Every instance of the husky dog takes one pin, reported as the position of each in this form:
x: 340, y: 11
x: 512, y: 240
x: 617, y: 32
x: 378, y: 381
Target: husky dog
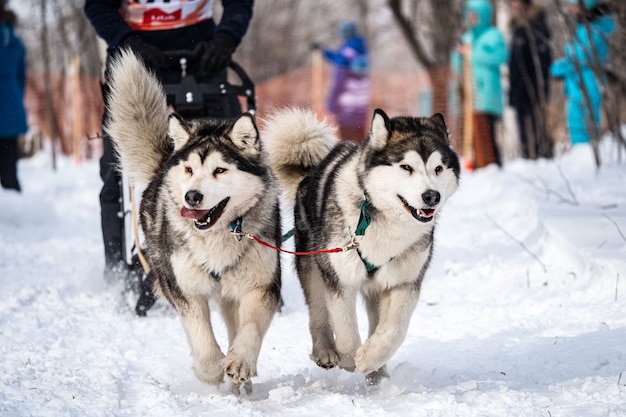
x: 383, y: 197
x: 206, y: 178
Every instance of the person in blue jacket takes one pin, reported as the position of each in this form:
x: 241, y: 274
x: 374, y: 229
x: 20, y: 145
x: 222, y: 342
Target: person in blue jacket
x: 150, y: 29
x: 12, y: 111
x: 486, y: 49
x: 348, y: 98
x: 581, y: 68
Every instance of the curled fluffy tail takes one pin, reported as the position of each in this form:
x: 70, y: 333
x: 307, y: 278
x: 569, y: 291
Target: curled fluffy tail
x: 296, y: 142
x: 138, y: 118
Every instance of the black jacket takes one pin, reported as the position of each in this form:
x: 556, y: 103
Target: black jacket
x: 109, y: 25
x: 524, y: 79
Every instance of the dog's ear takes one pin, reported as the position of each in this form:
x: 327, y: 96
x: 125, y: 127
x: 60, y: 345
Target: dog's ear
x: 245, y: 134
x: 381, y: 130
x: 178, y: 130
x: 440, y: 122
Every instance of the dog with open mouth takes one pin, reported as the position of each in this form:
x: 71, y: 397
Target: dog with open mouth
x: 204, y: 179
x: 382, y: 198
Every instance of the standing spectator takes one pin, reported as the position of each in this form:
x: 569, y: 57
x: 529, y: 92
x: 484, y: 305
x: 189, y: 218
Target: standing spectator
x: 12, y: 84
x: 349, y: 98
x: 529, y: 69
x: 483, y: 44
x: 149, y: 29
x: 582, y: 67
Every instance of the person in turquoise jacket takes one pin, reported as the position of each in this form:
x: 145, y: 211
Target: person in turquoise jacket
x: 581, y: 68
x: 13, y: 122
x: 486, y: 48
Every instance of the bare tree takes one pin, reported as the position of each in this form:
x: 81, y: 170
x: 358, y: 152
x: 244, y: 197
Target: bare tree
x: 612, y: 97
x: 45, y: 47
x: 59, y: 34
x: 431, y: 28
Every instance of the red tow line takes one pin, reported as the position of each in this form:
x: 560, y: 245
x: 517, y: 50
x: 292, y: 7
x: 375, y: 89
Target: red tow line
x: 352, y: 245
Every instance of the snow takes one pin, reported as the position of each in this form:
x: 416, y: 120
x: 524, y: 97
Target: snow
x: 522, y: 313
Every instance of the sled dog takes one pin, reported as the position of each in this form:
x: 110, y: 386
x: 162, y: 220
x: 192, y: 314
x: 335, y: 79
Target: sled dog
x: 384, y: 197
x: 205, y: 178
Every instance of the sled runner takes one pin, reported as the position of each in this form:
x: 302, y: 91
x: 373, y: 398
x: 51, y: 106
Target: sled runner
x: 192, y: 99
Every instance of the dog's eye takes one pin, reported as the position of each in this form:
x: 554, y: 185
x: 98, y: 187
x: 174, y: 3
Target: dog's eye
x: 438, y: 169
x: 219, y: 171
x: 188, y: 171
x: 407, y: 168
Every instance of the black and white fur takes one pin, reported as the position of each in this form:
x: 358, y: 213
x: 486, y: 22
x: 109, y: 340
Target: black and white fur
x: 201, y: 175
x: 406, y: 170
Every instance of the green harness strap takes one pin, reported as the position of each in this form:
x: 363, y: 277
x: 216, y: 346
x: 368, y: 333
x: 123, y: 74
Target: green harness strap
x: 364, y: 221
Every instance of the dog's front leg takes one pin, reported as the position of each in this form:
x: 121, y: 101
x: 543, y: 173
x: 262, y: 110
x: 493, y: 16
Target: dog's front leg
x: 207, y: 355
x: 256, y: 309
x: 396, y: 308
x: 342, y: 311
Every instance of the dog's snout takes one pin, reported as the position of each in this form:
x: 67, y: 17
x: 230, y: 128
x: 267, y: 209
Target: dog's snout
x: 193, y: 198
x: 431, y: 197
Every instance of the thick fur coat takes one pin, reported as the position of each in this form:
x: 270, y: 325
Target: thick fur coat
x: 204, y: 177
x: 385, y: 196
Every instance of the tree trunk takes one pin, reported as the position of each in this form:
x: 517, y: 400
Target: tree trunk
x: 439, y: 81
x: 48, y: 82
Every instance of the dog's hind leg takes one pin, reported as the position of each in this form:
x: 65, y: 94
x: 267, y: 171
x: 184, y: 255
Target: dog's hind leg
x: 396, y: 308
x: 323, y: 353
x: 207, y: 355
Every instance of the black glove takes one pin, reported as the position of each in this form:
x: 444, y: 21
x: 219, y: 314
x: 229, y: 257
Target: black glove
x: 216, y: 53
x: 152, y: 56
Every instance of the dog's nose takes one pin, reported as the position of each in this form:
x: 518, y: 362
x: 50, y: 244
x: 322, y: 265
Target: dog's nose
x: 431, y: 197
x: 193, y: 198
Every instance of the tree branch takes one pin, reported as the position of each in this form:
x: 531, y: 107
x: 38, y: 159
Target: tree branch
x: 406, y: 27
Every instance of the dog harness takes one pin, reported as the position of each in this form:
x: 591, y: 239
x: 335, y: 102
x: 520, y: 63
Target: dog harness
x: 364, y: 221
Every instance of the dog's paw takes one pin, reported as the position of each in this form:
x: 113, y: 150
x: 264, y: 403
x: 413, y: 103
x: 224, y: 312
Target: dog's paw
x: 374, y: 378
x: 236, y: 388
x: 238, y: 369
x: 369, y: 359
x: 211, y: 373
x: 325, y: 358
x: 346, y: 362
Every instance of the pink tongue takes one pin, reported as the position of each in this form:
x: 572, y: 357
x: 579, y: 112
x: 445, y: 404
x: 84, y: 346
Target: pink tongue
x: 188, y: 213
x: 427, y: 212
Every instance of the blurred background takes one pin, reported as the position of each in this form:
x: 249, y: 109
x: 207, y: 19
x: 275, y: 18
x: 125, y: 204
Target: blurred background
x: 410, y: 43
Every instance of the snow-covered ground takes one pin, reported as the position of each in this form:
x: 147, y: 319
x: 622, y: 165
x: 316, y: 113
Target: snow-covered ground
x: 522, y: 313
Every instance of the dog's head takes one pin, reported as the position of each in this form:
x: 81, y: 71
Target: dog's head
x: 409, y: 168
x: 216, y: 168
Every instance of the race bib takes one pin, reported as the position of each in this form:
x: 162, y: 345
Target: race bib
x: 145, y: 15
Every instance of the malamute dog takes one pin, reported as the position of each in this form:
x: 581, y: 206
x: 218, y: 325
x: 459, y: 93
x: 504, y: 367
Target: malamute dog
x: 385, y: 196
x: 206, y: 177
